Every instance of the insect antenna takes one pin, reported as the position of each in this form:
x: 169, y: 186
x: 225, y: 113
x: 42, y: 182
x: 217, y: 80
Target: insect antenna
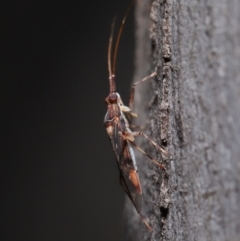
x: 112, y: 64
x: 118, y: 38
x: 111, y: 75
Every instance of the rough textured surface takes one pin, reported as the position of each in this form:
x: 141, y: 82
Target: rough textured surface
x: 194, y: 111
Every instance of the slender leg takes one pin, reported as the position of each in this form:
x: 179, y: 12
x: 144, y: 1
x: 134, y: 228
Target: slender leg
x: 152, y: 159
x: 135, y: 84
x: 138, y: 127
x: 145, y: 221
x: 140, y: 133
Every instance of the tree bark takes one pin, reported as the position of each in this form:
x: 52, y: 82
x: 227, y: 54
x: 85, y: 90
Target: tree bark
x: 192, y: 108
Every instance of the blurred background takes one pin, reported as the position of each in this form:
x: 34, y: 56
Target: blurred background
x: 59, y: 176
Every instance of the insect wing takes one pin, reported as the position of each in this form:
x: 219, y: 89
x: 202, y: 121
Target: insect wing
x: 129, y: 178
x: 117, y: 140
x: 133, y: 192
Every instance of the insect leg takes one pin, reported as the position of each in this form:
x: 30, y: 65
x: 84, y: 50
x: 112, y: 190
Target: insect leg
x: 140, y: 133
x: 131, y: 98
x: 145, y: 221
x: 138, y: 127
x: 146, y: 154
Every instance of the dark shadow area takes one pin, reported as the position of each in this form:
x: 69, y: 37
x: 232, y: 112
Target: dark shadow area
x: 59, y: 176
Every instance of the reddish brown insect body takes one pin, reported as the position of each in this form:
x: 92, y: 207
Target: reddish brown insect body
x: 121, y: 136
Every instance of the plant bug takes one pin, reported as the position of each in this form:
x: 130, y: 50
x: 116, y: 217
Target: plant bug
x: 121, y: 136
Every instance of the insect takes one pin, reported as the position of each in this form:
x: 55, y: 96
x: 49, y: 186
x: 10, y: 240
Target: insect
x: 122, y: 138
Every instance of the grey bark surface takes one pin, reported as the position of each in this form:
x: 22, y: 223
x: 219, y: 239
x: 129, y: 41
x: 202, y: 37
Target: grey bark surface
x: 192, y: 108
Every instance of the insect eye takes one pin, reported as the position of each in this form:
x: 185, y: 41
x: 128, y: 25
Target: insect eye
x: 113, y: 97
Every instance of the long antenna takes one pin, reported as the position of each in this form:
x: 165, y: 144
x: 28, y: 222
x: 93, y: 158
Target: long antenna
x: 110, y: 49
x: 111, y: 75
x: 118, y: 38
